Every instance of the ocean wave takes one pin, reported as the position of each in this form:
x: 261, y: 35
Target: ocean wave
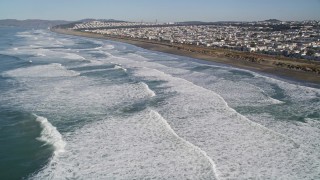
x: 97, y: 48
x: 73, y: 56
x: 50, y: 135
x: 231, y: 83
x: 10, y: 56
x: 137, y: 57
x: 242, y: 93
x: 107, y: 47
x: 205, y: 119
x: 139, y: 146
x: 149, y: 91
x: 194, y: 131
x: 41, y: 55
x: 120, y: 67
x: 166, y: 124
x: 51, y: 70
x: 183, y: 86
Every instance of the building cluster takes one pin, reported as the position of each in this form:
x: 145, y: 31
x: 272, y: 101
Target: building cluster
x: 102, y: 24
x: 292, y: 39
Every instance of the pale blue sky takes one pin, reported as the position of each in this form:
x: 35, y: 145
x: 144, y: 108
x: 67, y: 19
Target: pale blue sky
x: 162, y: 10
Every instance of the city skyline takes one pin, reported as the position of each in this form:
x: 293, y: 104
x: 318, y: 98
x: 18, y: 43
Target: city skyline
x: 164, y: 11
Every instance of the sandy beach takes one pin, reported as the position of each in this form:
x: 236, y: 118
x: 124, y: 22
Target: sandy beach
x: 293, y: 69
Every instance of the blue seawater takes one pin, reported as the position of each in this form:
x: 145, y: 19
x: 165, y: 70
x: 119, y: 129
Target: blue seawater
x: 80, y: 108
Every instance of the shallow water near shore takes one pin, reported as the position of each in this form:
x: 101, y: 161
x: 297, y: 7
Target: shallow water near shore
x: 74, y: 107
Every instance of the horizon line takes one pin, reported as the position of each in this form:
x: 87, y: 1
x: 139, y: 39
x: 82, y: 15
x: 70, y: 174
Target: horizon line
x: 160, y: 21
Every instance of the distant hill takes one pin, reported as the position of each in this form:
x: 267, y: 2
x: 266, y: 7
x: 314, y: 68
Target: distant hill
x: 31, y: 23
x: 72, y: 24
x: 207, y: 23
x: 192, y: 22
x: 272, y: 20
x: 104, y: 20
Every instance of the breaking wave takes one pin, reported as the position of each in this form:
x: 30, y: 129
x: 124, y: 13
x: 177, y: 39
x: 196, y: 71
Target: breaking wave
x: 50, y: 135
x: 51, y: 70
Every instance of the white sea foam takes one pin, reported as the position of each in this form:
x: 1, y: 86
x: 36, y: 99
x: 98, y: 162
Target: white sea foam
x: 120, y: 67
x: 40, y: 54
x: 51, y: 70
x: 76, y: 95
x: 237, y: 93
x: 134, y: 147
x: 136, y: 57
x: 108, y: 47
x: 96, y: 62
x: 234, y: 135
x: 294, y: 91
x: 188, y: 143
x: 149, y: 91
x: 24, y: 35
x: 73, y: 56
x: 236, y: 144
x: 242, y: 93
x: 50, y: 135
x: 200, y: 135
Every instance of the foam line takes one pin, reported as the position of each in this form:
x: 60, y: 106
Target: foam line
x: 255, y: 124
x: 296, y: 145
x: 118, y: 147
x: 252, y: 123
x: 275, y: 101
x: 186, y: 142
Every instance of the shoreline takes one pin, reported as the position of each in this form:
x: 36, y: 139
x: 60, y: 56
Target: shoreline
x: 266, y: 65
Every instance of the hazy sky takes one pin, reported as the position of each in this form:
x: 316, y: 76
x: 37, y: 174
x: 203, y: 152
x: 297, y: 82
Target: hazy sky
x: 162, y: 10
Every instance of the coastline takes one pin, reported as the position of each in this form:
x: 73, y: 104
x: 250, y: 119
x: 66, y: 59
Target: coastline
x: 267, y: 65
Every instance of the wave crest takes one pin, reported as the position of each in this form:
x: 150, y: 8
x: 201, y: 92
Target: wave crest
x: 50, y: 135
x: 51, y: 70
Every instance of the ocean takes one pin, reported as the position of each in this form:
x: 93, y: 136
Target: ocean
x: 79, y: 108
